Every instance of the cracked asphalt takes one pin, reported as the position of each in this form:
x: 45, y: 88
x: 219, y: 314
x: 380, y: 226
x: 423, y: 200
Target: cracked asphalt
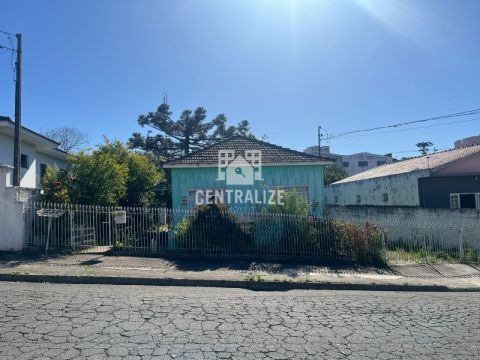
x: 107, y: 321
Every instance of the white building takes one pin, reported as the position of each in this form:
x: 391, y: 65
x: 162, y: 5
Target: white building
x: 355, y: 163
x: 37, y: 152
x: 447, y: 179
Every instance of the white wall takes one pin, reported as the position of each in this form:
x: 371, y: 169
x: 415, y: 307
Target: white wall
x: 12, y: 200
x: 402, y: 190
x: 30, y: 178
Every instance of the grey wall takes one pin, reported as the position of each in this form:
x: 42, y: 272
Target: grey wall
x: 401, y: 190
x: 447, y: 227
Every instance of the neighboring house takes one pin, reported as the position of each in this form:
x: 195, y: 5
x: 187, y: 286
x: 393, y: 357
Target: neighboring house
x: 241, y: 164
x: 468, y: 141
x: 355, y: 163
x: 37, y: 152
x: 447, y: 179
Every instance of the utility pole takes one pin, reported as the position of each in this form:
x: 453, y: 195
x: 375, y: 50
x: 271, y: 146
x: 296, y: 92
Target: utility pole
x: 319, y: 140
x: 18, y: 114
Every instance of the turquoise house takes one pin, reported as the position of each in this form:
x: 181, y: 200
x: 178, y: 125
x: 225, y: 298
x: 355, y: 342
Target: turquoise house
x: 245, y: 173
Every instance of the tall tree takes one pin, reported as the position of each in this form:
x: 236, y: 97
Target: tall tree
x: 192, y: 131
x: 70, y: 139
x: 424, y: 147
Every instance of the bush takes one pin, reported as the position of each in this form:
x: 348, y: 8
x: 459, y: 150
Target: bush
x: 213, y: 229
x: 361, y: 243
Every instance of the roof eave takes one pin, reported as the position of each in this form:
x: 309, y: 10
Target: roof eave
x: 179, y: 166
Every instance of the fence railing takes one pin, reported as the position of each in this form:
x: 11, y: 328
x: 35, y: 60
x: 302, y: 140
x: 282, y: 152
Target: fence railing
x: 215, y: 231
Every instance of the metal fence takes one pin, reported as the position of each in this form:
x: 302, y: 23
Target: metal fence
x: 216, y: 231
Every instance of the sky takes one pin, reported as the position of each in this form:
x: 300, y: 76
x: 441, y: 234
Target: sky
x: 287, y: 66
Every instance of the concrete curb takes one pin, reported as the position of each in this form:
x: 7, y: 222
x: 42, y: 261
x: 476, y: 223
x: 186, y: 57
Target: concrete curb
x: 250, y: 285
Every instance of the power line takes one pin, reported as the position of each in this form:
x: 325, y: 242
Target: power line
x: 414, y: 128
x: 463, y: 113
x: 417, y: 150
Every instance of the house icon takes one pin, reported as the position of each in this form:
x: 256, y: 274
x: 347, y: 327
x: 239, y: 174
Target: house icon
x: 239, y: 170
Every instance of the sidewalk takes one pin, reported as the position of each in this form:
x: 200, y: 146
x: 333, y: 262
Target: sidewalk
x: 260, y: 275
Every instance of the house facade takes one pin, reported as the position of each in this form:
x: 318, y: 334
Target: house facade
x: 447, y: 179
x: 37, y: 152
x: 246, y: 173
x: 354, y: 163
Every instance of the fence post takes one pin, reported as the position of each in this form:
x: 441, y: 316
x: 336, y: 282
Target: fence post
x: 460, y: 243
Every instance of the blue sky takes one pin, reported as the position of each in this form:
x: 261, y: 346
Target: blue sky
x: 286, y: 66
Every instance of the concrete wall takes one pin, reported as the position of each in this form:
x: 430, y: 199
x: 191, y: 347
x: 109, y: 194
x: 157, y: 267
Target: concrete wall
x: 444, y: 227
x: 12, y: 201
x: 30, y: 178
x: 401, y: 190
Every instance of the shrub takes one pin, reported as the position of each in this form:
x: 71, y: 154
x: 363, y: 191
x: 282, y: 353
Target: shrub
x: 213, y: 229
x: 362, y: 243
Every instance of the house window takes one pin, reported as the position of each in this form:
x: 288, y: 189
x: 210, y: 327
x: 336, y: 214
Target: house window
x: 215, y: 196
x: 465, y: 201
x: 454, y: 201
x: 24, y: 161
x: 363, y: 163
x: 381, y: 162
x: 385, y: 197
x: 302, y: 191
x: 43, y: 170
x: 345, y: 164
x: 359, y: 199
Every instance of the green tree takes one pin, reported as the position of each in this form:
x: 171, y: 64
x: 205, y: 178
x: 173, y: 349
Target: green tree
x: 424, y: 147
x: 333, y: 173
x: 143, y: 173
x: 97, y: 179
x: 111, y: 175
x: 190, y: 132
x: 142, y: 177
x: 55, y: 186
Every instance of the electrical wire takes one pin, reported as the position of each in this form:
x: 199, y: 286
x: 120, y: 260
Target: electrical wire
x: 463, y: 113
x: 413, y: 128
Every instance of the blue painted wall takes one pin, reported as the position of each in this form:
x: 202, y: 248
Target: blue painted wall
x: 185, y: 179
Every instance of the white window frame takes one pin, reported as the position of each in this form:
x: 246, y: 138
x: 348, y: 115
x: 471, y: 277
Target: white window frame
x: 455, y: 202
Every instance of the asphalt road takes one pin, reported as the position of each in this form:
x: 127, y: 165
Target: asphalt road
x: 99, y: 321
